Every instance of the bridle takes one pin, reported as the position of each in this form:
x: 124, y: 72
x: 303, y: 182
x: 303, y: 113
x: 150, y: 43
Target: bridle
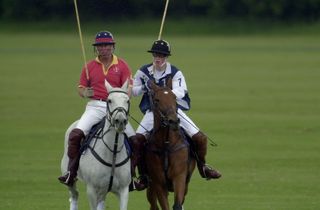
x: 117, y: 110
x: 165, y: 121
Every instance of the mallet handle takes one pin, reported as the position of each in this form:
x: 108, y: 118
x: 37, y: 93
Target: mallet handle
x: 163, y: 18
x: 81, y: 40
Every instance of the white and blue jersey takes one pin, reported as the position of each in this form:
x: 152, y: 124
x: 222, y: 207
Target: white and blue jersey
x: 179, y: 88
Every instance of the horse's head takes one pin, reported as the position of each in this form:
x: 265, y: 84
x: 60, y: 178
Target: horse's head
x: 165, y: 106
x: 118, y: 106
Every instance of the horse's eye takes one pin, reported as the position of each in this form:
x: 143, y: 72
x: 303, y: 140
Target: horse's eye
x: 109, y: 101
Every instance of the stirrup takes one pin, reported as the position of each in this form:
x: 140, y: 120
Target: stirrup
x: 140, y: 183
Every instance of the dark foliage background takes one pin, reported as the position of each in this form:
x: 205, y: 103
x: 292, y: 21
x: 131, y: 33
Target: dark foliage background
x: 283, y: 10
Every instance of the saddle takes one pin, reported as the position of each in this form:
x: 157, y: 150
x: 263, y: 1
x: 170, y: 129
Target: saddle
x: 192, y: 154
x: 190, y: 142
x: 187, y: 140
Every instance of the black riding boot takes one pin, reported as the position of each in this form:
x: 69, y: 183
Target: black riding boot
x: 137, y: 144
x: 200, y: 143
x: 74, y: 156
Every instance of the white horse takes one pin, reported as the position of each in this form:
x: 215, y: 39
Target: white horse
x: 105, y: 166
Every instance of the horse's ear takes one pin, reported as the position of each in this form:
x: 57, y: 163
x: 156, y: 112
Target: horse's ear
x: 169, y: 82
x: 125, y: 86
x: 108, y: 86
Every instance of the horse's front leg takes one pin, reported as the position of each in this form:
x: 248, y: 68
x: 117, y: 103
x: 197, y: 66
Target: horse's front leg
x: 74, y: 194
x: 92, y: 196
x: 179, y: 186
x: 162, y: 194
x: 152, y: 198
x: 101, y: 205
x: 123, y: 196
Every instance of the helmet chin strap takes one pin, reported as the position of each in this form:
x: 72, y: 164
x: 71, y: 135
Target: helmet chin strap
x: 162, y: 65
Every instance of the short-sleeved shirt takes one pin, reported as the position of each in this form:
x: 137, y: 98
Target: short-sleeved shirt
x: 117, y: 74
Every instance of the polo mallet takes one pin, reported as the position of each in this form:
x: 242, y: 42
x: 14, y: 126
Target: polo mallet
x: 163, y: 18
x: 81, y: 41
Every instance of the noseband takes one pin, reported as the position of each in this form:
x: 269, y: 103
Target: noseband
x: 165, y: 122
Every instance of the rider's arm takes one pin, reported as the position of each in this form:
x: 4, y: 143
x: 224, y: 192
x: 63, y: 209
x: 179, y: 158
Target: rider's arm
x: 84, y: 85
x: 81, y: 90
x: 126, y: 75
x: 179, y: 86
x: 138, y: 86
x: 85, y: 92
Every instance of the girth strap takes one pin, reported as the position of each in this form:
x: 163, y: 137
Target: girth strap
x: 104, y: 162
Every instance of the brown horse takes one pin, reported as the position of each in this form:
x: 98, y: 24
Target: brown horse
x: 168, y: 158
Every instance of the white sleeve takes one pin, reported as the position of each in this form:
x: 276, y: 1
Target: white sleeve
x: 137, y: 88
x: 179, y: 86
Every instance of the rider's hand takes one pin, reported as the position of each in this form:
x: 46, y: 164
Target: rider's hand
x: 147, y: 85
x: 88, y: 92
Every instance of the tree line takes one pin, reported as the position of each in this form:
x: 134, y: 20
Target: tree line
x: 284, y: 10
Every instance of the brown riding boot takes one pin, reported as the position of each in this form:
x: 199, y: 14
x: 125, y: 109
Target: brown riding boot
x: 200, y: 143
x: 137, y: 142
x: 74, y: 156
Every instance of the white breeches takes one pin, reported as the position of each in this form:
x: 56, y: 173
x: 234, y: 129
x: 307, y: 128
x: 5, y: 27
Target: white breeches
x: 95, y: 111
x: 186, y: 123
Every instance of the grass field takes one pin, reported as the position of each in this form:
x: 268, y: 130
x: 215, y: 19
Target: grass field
x: 257, y: 97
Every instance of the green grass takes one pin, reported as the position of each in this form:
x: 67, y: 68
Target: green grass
x: 173, y: 26
x: 257, y: 97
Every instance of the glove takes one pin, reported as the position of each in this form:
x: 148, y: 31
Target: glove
x: 88, y: 92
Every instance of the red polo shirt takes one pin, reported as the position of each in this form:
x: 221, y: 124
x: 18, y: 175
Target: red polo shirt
x: 117, y: 74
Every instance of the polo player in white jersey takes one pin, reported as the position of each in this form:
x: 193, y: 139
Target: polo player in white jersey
x: 159, y: 71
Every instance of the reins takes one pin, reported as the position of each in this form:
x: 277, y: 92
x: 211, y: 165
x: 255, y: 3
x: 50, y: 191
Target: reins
x: 114, y: 151
x: 212, y: 143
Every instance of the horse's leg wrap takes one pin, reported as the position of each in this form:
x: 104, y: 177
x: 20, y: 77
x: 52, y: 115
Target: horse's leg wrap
x: 137, y: 144
x: 200, y: 144
x: 74, y: 141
